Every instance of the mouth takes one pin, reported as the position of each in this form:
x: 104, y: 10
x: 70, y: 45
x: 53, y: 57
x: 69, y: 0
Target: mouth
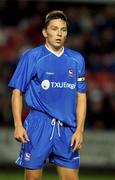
x: 58, y: 40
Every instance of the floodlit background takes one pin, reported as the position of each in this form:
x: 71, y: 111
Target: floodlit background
x: 92, y: 32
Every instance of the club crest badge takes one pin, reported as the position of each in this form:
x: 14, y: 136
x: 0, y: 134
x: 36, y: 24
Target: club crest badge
x: 71, y: 72
x: 27, y: 156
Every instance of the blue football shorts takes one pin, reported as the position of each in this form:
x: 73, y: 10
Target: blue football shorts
x: 50, y: 141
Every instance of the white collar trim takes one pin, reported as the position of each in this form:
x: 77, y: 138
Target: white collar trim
x: 58, y: 55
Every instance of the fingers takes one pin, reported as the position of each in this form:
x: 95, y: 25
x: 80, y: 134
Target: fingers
x: 26, y: 138
x: 76, y: 143
x: 77, y: 146
x: 21, y: 137
x: 72, y: 141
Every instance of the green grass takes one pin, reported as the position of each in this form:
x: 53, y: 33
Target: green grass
x: 53, y: 176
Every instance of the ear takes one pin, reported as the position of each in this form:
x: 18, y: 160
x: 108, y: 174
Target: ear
x: 44, y: 33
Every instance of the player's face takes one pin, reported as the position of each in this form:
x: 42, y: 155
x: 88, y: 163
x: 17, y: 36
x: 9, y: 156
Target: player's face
x: 55, y: 33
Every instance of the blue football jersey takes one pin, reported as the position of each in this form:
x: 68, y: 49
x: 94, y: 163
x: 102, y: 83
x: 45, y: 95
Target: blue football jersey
x: 50, y: 82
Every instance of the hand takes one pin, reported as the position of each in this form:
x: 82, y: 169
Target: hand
x: 20, y: 134
x: 77, y: 140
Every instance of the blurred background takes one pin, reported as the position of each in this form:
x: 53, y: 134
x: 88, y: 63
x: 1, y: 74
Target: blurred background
x: 92, y: 32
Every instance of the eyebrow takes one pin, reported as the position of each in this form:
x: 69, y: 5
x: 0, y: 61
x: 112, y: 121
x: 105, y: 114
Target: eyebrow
x: 64, y: 27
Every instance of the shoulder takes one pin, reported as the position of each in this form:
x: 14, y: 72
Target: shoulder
x: 75, y: 55
x: 33, y: 52
x: 31, y: 56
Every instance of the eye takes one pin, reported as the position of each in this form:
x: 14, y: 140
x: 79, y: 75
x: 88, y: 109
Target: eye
x: 54, y: 28
x: 64, y: 29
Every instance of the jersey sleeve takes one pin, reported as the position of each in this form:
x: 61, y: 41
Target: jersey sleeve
x: 81, y: 83
x: 24, y: 72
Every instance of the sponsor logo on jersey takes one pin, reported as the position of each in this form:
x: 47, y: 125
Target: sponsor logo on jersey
x: 71, y: 72
x: 46, y: 84
x: 27, y: 156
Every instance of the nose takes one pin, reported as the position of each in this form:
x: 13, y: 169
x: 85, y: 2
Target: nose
x: 59, y: 33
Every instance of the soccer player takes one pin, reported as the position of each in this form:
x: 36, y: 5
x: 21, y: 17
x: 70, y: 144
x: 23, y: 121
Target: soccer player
x: 51, y: 78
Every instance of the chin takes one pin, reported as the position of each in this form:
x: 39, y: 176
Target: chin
x: 58, y: 45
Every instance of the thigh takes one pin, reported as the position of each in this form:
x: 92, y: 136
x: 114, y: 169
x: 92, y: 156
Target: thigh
x: 67, y: 173
x: 34, y: 153
x: 33, y: 174
x: 63, y: 154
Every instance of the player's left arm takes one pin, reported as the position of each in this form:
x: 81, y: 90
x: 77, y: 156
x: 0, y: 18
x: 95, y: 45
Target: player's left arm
x: 77, y: 138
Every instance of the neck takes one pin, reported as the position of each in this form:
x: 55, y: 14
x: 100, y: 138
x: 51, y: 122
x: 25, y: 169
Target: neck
x: 57, y: 50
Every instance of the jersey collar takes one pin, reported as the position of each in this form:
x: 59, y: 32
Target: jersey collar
x: 58, y: 55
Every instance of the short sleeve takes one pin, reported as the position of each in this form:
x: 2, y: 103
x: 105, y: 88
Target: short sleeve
x: 24, y: 72
x: 81, y: 83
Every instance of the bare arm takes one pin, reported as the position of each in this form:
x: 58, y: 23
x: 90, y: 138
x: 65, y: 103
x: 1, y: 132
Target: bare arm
x: 77, y: 137
x: 17, y: 102
x: 81, y: 111
x: 17, y: 99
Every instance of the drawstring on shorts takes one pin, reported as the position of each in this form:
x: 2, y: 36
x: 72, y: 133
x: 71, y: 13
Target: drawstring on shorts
x: 53, y: 123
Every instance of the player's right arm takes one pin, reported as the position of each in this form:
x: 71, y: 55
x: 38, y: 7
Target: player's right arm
x: 20, y: 133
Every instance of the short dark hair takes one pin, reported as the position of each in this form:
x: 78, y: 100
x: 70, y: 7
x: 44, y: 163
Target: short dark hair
x: 55, y: 14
